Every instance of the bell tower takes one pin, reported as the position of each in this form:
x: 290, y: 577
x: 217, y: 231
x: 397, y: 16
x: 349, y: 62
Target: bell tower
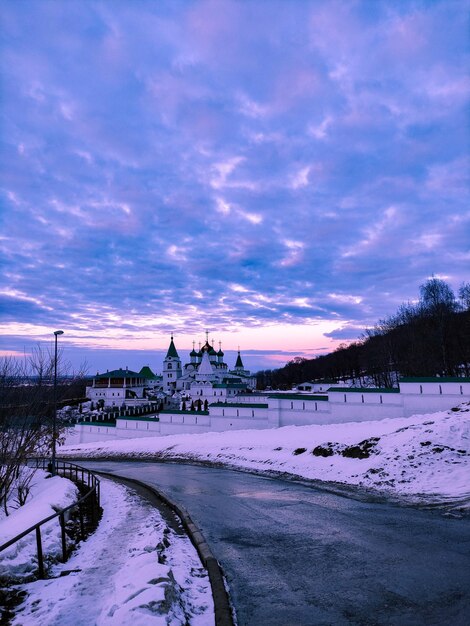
x: 171, y: 367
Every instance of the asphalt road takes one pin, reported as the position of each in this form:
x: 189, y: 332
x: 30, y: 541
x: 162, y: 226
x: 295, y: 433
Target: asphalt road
x: 294, y: 554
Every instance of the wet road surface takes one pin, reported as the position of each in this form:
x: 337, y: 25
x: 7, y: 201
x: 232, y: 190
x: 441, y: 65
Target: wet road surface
x: 294, y: 554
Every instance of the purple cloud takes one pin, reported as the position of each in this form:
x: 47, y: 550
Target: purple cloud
x: 313, y: 153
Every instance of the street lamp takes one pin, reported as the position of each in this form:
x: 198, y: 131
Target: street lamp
x: 54, y: 417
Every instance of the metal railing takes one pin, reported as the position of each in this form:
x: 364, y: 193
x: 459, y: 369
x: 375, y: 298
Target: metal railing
x: 88, y: 506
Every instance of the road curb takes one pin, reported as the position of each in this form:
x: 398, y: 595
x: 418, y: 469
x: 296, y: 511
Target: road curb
x: 222, y: 607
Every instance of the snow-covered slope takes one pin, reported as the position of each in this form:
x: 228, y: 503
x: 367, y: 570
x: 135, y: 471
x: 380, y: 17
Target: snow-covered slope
x: 426, y: 456
x: 132, y: 571
x: 48, y: 495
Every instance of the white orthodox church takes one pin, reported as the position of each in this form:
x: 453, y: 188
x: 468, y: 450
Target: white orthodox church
x: 203, y: 380
x: 206, y: 376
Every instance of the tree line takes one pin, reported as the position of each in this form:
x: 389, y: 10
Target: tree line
x: 430, y: 337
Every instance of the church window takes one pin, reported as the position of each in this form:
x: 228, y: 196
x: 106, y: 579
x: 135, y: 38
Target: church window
x: 421, y: 389
x: 169, y: 366
x: 345, y: 397
x: 303, y: 406
x: 440, y: 389
x: 223, y: 412
x: 238, y: 413
x: 461, y: 390
x: 315, y: 406
x: 362, y: 398
x: 381, y: 401
x: 291, y: 405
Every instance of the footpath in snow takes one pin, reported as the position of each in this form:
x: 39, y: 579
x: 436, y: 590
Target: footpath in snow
x: 425, y: 457
x: 133, y: 571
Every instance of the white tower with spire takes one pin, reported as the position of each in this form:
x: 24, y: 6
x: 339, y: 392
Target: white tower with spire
x: 171, y: 367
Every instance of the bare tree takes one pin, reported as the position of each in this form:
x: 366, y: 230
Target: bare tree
x: 437, y: 295
x: 26, y: 414
x: 464, y: 295
x: 20, y: 429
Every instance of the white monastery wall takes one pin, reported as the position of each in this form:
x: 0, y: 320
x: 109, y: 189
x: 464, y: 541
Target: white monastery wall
x: 191, y: 419
x: 298, y: 410
x: 229, y: 411
x: 238, y: 417
x: 85, y: 433
x: 429, y: 396
x: 173, y: 428
x: 360, y: 406
x: 139, y: 427
x: 284, y: 409
x: 220, y: 424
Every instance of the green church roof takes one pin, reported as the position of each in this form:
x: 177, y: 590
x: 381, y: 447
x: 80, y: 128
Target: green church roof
x: 240, y: 405
x: 239, y: 362
x: 172, y: 350
x: 119, y: 374
x: 363, y: 390
x: 298, y: 396
x: 147, y: 372
x: 434, y: 379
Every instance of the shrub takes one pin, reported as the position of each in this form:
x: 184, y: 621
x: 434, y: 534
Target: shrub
x: 362, y: 450
x: 322, y: 451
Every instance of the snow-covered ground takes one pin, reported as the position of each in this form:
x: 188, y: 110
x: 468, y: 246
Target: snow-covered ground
x: 48, y: 494
x: 423, y: 456
x: 133, y: 571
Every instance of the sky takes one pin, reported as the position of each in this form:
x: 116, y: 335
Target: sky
x: 283, y: 174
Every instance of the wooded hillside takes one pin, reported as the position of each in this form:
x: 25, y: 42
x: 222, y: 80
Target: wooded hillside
x: 429, y: 338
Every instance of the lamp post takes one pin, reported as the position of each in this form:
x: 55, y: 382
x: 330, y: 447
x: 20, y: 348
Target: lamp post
x: 54, y: 417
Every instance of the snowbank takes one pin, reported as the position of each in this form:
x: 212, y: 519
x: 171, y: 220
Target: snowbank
x: 48, y: 495
x: 425, y: 456
x: 133, y: 571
